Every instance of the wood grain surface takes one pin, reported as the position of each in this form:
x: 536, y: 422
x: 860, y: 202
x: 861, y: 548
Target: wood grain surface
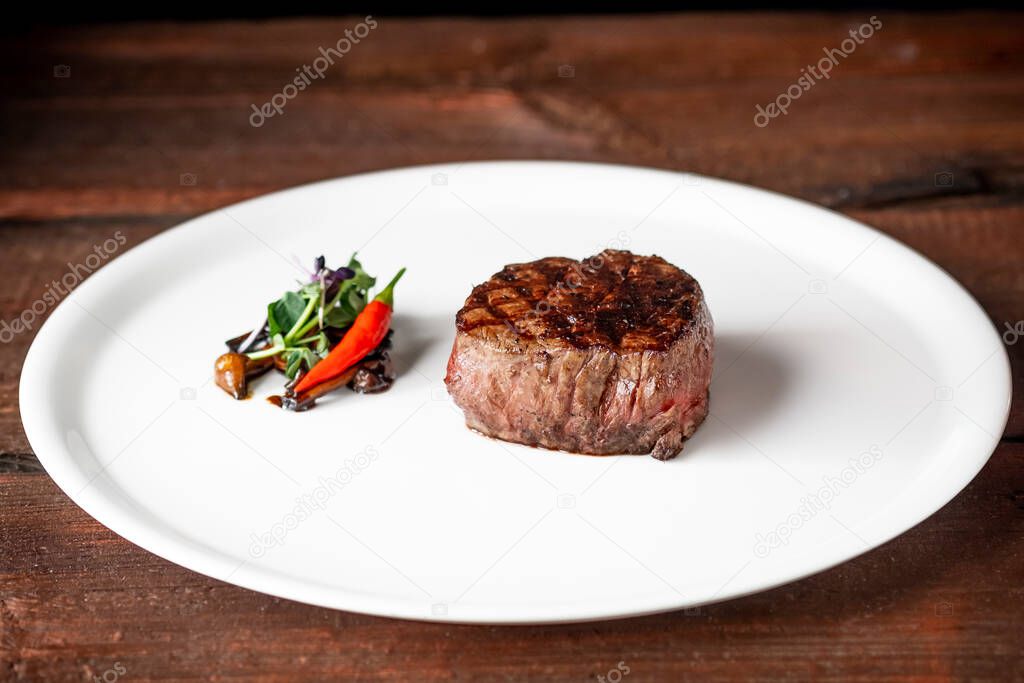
x: 137, y: 127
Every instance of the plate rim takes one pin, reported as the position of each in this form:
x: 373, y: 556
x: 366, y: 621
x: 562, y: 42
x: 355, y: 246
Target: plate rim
x: 55, y: 457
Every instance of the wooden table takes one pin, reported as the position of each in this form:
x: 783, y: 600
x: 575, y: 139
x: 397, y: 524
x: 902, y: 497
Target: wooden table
x: 919, y: 132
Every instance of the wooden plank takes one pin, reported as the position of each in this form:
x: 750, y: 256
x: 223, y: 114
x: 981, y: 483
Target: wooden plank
x: 672, y: 48
x: 143, y: 107
x: 844, y: 145
x: 944, y: 601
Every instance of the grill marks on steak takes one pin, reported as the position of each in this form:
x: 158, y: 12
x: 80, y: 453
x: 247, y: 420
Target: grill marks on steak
x: 609, y: 355
x: 615, y: 300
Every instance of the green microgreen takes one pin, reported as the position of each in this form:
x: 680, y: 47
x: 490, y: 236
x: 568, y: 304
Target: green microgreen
x: 299, y: 323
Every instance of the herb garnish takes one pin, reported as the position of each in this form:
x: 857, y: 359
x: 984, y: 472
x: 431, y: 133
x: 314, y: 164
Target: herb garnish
x: 302, y: 324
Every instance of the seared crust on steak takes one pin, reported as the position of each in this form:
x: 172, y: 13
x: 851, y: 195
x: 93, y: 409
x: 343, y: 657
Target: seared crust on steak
x: 615, y: 299
x: 608, y: 355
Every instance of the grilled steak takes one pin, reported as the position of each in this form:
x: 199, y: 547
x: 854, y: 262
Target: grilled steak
x: 607, y: 355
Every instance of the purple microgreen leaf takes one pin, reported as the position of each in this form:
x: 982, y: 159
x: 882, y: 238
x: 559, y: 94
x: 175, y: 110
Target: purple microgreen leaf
x: 344, y: 273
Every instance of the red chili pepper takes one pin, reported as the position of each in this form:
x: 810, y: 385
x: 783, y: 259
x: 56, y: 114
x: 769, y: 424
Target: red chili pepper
x: 366, y: 334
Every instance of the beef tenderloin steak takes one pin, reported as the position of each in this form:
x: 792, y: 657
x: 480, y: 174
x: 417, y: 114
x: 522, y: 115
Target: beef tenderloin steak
x: 607, y: 355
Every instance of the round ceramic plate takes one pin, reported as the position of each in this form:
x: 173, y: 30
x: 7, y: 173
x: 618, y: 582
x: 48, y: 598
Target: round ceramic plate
x: 857, y: 389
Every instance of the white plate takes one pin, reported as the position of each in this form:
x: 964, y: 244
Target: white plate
x: 857, y: 389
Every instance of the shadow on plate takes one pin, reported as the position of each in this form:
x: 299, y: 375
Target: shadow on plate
x: 749, y: 384
x: 418, y: 336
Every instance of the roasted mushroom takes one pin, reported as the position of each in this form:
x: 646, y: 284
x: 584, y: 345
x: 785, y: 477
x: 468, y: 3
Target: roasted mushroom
x: 229, y: 374
x: 374, y: 375
x: 232, y: 371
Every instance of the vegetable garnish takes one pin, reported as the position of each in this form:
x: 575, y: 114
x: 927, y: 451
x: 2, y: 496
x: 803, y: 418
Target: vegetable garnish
x: 365, y: 335
x: 304, y: 326
x: 300, y: 323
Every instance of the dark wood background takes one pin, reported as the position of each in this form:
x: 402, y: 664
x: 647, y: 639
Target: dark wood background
x: 145, y: 106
